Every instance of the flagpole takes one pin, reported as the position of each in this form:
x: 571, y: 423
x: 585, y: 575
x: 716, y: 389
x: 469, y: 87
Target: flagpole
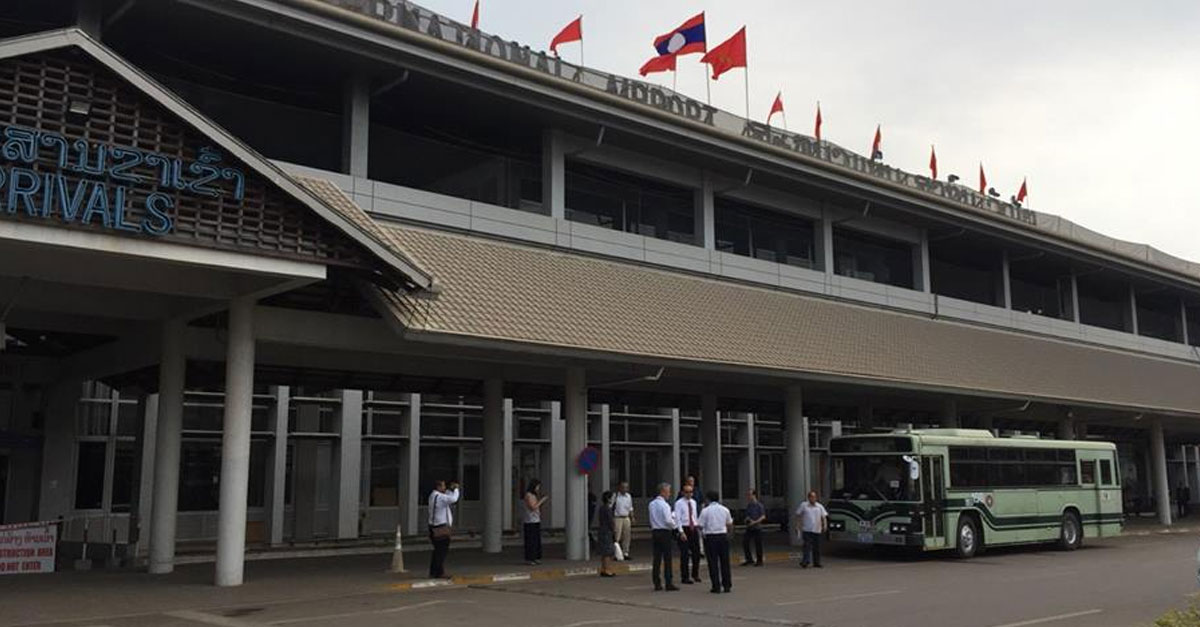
x: 746, y: 73
x: 675, y: 81
x: 707, y: 84
x: 784, y: 113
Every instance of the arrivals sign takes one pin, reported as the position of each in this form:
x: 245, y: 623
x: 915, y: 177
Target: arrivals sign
x: 410, y: 17
x: 102, y: 185
x: 28, y: 548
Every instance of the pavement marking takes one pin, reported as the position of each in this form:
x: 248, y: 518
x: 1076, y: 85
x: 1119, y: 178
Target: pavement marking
x: 882, y: 566
x: 512, y: 577
x: 594, y: 622
x: 844, y: 597
x: 1047, y: 575
x: 210, y: 619
x: 390, y: 610
x: 1050, y: 619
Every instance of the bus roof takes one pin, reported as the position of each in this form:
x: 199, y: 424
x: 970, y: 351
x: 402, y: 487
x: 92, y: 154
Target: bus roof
x: 982, y: 437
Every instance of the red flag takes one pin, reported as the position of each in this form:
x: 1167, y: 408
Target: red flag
x: 982, y: 180
x: 1023, y: 192
x: 661, y: 63
x: 475, y: 16
x: 933, y: 162
x: 818, y: 126
x: 877, y: 145
x: 729, y: 55
x: 777, y: 107
x: 572, y: 32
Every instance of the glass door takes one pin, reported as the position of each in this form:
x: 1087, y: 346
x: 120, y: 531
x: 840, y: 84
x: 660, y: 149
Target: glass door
x: 933, y: 496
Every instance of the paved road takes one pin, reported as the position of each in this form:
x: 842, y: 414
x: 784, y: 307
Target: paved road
x: 1119, y: 582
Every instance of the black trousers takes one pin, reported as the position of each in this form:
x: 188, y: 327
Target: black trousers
x: 689, y: 555
x: 812, y: 548
x: 533, y: 541
x: 1183, y: 508
x: 437, y: 560
x: 662, y: 540
x: 753, y: 534
x: 716, y: 547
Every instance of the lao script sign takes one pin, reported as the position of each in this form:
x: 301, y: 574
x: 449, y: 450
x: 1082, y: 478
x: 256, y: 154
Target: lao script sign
x: 28, y: 548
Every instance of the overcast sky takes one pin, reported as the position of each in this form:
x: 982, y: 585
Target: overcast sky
x: 1096, y: 101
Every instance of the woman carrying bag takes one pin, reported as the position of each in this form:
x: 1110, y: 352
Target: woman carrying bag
x: 606, y: 529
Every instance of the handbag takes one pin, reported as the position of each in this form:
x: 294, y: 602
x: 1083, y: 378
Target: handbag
x: 440, y: 533
x: 617, y: 552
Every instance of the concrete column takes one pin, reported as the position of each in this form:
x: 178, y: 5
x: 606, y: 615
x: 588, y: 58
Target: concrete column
x: 1183, y: 323
x: 1005, y: 299
x: 1196, y: 469
x: 356, y: 126
x: 1075, y: 313
x: 347, y: 498
x: 494, y: 442
x: 506, y: 506
x: 308, y: 465
x: 676, y: 452
x: 277, y: 488
x: 950, y: 418
x: 1132, y: 324
x: 554, y: 174
x: 410, y: 478
x: 797, y: 450
x: 168, y: 435
x: 575, y: 415
x: 145, y: 498
x: 1183, y: 459
x: 710, y: 442
x: 606, y: 476
x: 825, y: 240
x: 1066, y: 427
x: 1158, y: 461
x: 922, y: 280
x: 706, y: 215
x: 558, y: 466
x: 235, y: 444
x: 750, y: 475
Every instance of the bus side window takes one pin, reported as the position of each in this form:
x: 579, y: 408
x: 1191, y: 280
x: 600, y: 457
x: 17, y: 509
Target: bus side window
x: 1087, y: 472
x: 1106, y: 475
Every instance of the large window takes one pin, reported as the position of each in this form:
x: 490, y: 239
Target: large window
x: 1040, y: 291
x: 623, y: 202
x: 200, y: 475
x: 1010, y: 467
x: 772, y: 474
x: 89, y: 475
x: 967, y: 270
x: 1159, y: 315
x: 872, y: 258
x: 640, y: 469
x: 879, y: 477
x: 1104, y: 303
x: 745, y: 230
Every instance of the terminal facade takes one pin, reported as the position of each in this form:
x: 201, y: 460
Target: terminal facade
x: 266, y: 292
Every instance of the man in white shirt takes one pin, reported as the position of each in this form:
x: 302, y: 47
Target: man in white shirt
x: 687, y: 514
x: 717, y: 523
x: 441, y: 520
x: 623, y: 516
x: 664, y: 531
x: 812, y: 520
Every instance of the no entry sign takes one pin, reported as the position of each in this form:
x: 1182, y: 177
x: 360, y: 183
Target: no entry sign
x: 588, y: 461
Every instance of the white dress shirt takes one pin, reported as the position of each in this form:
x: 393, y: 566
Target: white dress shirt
x: 661, y: 516
x: 623, y: 505
x: 687, y: 512
x: 439, y: 507
x: 715, y: 519
x: 812, y: 517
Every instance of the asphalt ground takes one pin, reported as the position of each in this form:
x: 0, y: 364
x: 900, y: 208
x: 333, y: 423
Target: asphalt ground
x: 1124, y: 582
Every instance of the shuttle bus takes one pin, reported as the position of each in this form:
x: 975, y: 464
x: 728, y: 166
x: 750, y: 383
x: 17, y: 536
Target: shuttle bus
x: 963, y: 489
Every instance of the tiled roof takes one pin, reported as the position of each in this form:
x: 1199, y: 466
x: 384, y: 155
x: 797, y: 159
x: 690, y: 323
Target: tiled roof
x: 524, y: 294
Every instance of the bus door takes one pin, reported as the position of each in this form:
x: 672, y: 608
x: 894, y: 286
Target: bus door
x: 933, y: 497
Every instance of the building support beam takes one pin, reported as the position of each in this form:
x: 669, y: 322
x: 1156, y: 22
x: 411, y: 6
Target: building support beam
x: 235, y: 444
x: 1067, y: 426
x: 575, y: 414
x: 494, y: 443
x: 796, y: 426
x: 506, y: 468
x: 1076, y: 315
x: 411, y: 466
x: 167, y: 442
x: 825, y: 240
x: 554, y: 174
x: 950, y: 417
x: 277, y: 489
x: 1158, y: 468
x: 706, y: 214
x: 1183, y: 323
x: 751, y: 458
x: 348, y: 466
x: 1131, y: 325
x: 923, y: 274
x: 606, y: 476
x: 1005, y: 299
x: 710, y: 443
x: 356, y: 126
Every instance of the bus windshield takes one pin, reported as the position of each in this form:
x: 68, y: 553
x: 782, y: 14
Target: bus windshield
x: 873, y: 477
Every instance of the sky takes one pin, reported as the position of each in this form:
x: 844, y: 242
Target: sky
x: 1097, y: 102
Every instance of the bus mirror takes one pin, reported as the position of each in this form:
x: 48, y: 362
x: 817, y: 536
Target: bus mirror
x: 914, y: 469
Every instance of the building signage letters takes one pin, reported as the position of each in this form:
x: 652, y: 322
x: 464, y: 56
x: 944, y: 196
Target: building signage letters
x: 416, y: 19
x: 95, y: 184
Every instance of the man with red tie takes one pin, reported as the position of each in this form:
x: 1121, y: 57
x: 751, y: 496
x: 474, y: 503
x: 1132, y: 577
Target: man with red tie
x: 687, y: 512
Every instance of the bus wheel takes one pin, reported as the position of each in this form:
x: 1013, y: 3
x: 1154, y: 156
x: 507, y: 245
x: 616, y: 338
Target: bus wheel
x: 1070, y: 537
x: 967, y: 543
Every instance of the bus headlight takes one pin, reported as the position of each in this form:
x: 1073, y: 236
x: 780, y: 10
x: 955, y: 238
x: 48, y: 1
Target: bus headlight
x: 899, y: 529
x: 837, y: 525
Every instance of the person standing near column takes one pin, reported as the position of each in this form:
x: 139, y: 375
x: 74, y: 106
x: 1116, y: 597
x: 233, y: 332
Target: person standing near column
x: 532, y: 519
x: 812, y: 521
x: 756, y: 515
x: 441, y: 522
x: 623, y: 513
x: 605, y: 541
x: 1182, y: 496
x: 717, y: 523
x: 687, y: 514
x: 663, y: 531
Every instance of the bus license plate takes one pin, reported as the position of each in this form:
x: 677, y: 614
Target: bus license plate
x: 866, y: 538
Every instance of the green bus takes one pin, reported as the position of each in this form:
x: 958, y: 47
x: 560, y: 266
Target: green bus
x: 962, y: 489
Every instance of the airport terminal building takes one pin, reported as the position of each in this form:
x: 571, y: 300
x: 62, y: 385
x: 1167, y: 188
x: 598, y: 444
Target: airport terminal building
x: 268, y: 268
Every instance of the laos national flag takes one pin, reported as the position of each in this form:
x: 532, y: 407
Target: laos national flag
x: 687, y: 39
